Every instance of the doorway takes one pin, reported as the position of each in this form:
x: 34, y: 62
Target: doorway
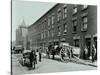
x: 95, y: 43
x: 88, y: 45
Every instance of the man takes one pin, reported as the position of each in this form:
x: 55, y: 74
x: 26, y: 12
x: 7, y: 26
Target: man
x: 47, y: 52
x: 53, y: 51
x: 50, y: 46
x: 32, y: 58
x: 86, y: 52
x: 36, y: 57
x: 93, y: 53
x: 40, y: 54
x: 62, y: 53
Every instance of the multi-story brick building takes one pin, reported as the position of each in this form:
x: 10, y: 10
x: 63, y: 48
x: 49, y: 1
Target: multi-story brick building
x: 70, y: 23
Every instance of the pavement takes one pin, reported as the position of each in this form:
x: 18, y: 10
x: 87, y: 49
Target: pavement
x: 74, y: 60
x: 79, y: 61
x: 85, y: 62
x: 47, y: 66
x: 16, y: 66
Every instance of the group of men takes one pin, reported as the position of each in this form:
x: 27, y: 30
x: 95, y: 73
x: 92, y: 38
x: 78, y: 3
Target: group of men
x: 33, y: 57
x: 33, y: 54
x: 90, y: 55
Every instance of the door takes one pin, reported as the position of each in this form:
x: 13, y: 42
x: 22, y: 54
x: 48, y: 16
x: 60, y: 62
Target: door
x: 88, y: 45
x: 95, y: 43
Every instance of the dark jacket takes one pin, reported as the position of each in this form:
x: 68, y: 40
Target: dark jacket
x: 32, y: 56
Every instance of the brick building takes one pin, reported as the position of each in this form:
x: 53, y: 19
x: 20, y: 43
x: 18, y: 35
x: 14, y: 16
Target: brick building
x: 70, y: 23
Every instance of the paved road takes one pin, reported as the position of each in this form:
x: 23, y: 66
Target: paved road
x: 16, y: 66
x: 48, y: 65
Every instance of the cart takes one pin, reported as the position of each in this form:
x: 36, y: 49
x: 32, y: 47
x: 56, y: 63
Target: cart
x: 25, y: 58
x: 65, y: 51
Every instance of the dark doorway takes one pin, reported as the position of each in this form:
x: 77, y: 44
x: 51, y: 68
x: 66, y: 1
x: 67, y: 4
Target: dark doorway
x: 88, y: 45
x: 95, y: 43
x: 76, y: 43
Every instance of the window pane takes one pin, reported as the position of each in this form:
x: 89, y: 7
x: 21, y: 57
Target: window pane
x: 85, y: 6
x: 65, y: 12
x: 85, y: 26
x: 75, y: 10
x: 74, y: 23
x: 74, y: 28
x: 48, y: 33
x: 76, y: 43
x: 65, y: 27
x: 59, y: 30
x: 85, y: 20
x: 52, y: 33
x: 59, y: 14
x: 53, y: 17
x: 48, y: 22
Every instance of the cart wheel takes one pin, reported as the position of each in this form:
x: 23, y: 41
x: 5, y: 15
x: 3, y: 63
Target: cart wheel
x: 64, y: 54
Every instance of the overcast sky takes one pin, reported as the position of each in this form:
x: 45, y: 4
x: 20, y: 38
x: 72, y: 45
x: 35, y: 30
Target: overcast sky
x: 30, y: 11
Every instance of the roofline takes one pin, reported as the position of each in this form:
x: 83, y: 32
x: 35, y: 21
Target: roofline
x: 44, y: 14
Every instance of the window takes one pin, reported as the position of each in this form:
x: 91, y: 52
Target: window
x: 85, y: 19
x: 53, y: 17
x: 76, y: 42
x: 48, y: 33
x: 75, y: 9
x: 48, y: 21
x: 65, y: 28
x: 84, y: 23
x: 59, y: 14
x: 42, y: 35
x: 52, y: 32
x: 74, y: 29
x: 45, y: 23
x: 64, y: 12
x: 74, y: 26
x: 84, y: 27
x: 42, y: 25
x: 59, y: 29
x: 84, y: 14
x: 84, y: 7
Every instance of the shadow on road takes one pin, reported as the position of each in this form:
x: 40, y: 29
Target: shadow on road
x: 57, y: 59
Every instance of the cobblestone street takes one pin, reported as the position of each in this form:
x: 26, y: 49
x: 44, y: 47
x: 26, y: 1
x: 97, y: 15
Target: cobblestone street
x: 47, y: 66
